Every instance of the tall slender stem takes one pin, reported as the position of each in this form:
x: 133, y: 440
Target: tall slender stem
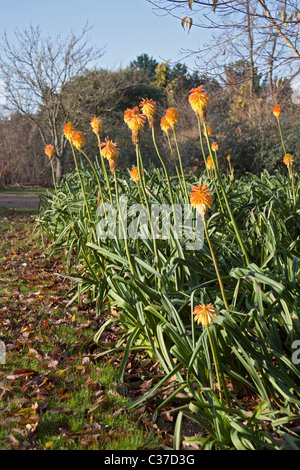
x: 215, y: 265
x: 181, y: 167
x: 164, y: 166
x: 81, y: 183
x: 244, y: 251
x: 105, y: 172
x: 53, y: 176
x: 123, y: 226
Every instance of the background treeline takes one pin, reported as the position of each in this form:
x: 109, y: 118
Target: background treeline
x: 240, y: 116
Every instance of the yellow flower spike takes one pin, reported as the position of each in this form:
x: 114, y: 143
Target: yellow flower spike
x: 49, y: 151
x: 134, y: 174
x: 201, y: 197
x: 69, y: 130
x: 148, y: 108
x: 96, y: 125
x: 209, y: 163
x: 165, y: 126
x: 111, y: 152
x: 199, y: 100
x: 135, y: 121
x: 78, y: 140
x: 277, y: 111
x: 288, y: 160
x: 172, y: 117
x: 214, y: 147
x: 205, y: 314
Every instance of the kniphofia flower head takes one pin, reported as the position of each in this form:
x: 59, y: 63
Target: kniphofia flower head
x: 134, y: 174
x: 78, y: 140
x: 201, y: 197
x: 214, y: 146
x: 165, y: 126
x: 277, y: 111
x: 49, y: 151
x: 135, y: 121
x: 109, y: 150
x: 199, y: 101
x: 229, y: 158
x: 148, y: 108
x: 172, y: 117
x: 69, y: 130
x: 209, y: 163
x: 288, y: 160
x: 205, y: 314
x: 96, y: 125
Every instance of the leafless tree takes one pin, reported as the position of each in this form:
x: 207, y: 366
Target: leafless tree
x: 262, y: 33
x: 36, y: 72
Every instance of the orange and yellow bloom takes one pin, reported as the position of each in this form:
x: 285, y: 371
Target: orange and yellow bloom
x: 277, y: 111
x: 135, y: 121
x: 199, y: 100
x: 111, y: 152
x: 288, y: 160
x: 165, y: 126
x: 96, y: 125
x: 172, y: 117
x: 134, y: 174
x: 78, y: 139
x: 209, y: 163
x: 69, y: 130
x: 49, y: 151
x: 205, y: 314
x: 201, y: 197
x: 214, y: 147
x: 148, y: 108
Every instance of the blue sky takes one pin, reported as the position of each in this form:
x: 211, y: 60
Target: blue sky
x: 127, y: 28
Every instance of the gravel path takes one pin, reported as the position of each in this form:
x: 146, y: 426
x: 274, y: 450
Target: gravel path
x: 19, y: 201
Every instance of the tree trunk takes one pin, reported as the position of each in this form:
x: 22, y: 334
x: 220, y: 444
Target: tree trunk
x: 59, y: 169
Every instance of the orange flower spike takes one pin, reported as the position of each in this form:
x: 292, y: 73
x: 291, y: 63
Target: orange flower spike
x: 96, y: 125
x: 288, y: 160
x: 172, y: 117
x: 205, y: 314
x: 134, y: 174
x: 69, y: 130
x: 109, y: 150
x: 199, y: 100
x: 49, y: 151
x: 277, y: 111
x: 165, y: 126
x: 209, y: 163
x: 148, y: 108
x: 201, y: 197
x: 78, y: 140
x: 135, y: 121
x: 214, y: 147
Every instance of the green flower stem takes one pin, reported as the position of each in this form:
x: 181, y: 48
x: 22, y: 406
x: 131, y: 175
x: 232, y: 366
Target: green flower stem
x: 164, y: 166
x: 123, y: 226
x: 181, y: 167
x: 143, y: 186
x: 201, y: 144
x: 244, y: 251
x: 215, y: 265
x: 95, y: 173
x: 281, y: 136
x: 175, y: 163
x: 217, y: 191
x: 220, y: 377
x: 81, y: 183
x: 105, y: 172
x: 53, y: 176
